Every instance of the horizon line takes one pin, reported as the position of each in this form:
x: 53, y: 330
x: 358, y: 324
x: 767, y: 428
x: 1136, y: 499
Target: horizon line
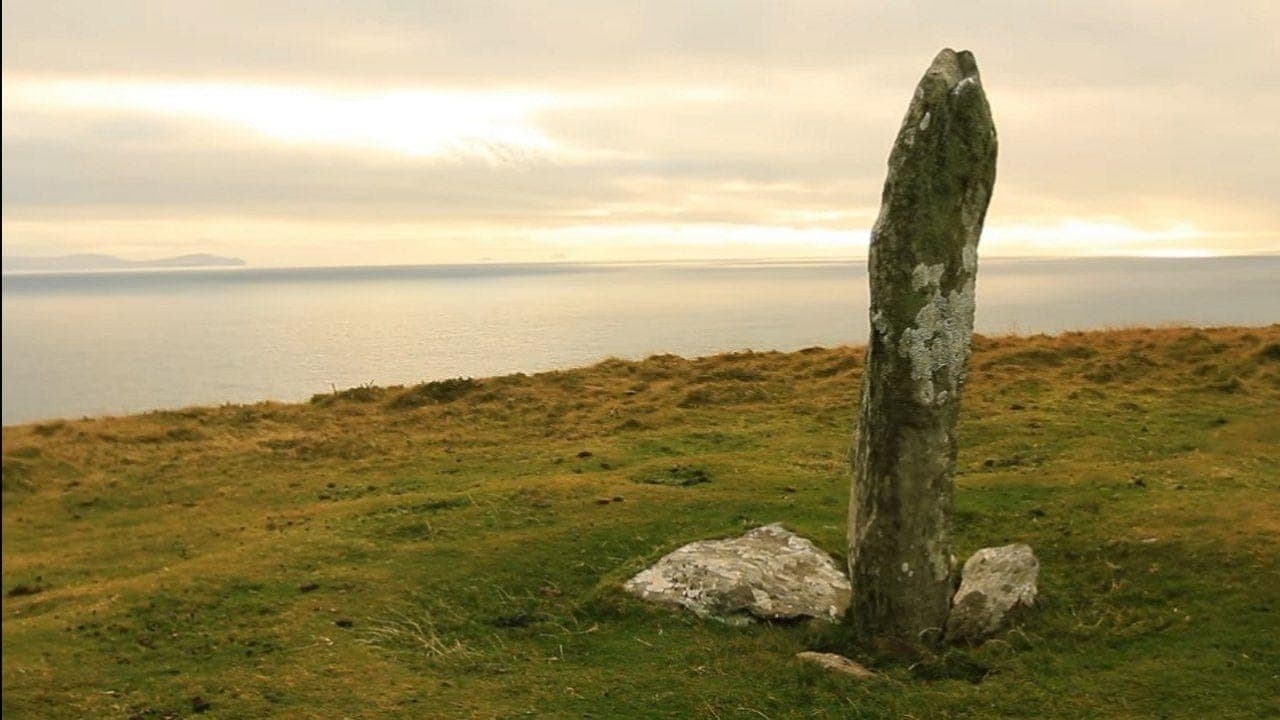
x: 816, y: 260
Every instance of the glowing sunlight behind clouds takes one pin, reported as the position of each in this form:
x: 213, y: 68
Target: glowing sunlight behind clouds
x: 492, y: 125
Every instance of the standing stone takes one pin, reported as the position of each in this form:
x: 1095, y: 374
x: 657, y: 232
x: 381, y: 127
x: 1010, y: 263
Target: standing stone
x: 922, y: 267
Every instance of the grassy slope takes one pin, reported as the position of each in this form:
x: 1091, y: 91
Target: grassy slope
x: 457, y: 532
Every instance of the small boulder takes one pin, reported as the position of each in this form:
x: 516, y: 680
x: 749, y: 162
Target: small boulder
x: 768, y: 573
x: 837, y: 663
x: 995, y: 582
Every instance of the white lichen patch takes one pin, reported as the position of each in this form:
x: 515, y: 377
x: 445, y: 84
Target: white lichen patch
x: 881, y: 324
x: 969, y: 257
x: 964, y: 83
x: 937, y: 343
x: 927, y: 276
x: 940, y: 559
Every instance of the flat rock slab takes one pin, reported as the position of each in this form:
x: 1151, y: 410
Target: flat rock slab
x: 770, y: 573
x: 995, y: 582
x: 837, y: 663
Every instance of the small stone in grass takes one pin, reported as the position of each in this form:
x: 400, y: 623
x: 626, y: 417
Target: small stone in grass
x: 838, y: 663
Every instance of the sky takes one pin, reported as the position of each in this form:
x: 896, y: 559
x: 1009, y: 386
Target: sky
x: 334, y: 133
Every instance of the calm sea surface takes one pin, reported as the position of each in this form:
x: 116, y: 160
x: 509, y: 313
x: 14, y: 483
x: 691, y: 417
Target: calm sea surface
x: 93, y: 343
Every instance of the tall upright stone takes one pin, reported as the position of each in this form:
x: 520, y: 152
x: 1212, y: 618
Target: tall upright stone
x: 922, y: 268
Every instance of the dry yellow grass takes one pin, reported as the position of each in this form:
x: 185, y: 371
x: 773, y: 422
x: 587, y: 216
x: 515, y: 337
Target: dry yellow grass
x: 155, y: 560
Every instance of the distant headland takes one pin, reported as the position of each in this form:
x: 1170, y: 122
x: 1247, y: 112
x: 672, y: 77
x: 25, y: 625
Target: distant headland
x: 95, y: 261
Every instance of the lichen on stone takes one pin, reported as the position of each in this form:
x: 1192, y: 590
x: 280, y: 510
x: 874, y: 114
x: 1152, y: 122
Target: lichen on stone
x: 938, y: 339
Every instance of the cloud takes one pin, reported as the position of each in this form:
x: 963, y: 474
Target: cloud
x: 614, y: 123
x: 489, y: 125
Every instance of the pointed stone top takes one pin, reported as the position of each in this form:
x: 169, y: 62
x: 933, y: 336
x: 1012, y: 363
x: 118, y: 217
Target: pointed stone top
x: 945, y: 150
x: 951, y: 74
x: 955, y: 66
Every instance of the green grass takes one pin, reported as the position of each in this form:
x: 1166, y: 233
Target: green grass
x: 447, y: 550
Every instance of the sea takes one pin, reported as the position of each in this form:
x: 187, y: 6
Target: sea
x: 95, y: 343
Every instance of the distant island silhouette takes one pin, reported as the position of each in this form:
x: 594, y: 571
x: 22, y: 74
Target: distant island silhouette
x: 96, y: 261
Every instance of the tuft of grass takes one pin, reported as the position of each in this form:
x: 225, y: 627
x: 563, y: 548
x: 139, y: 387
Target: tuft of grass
x: 15, y: 474
x: 437, y: 392
x: 676, y: 475
x: 49, y: 428
x: 1232, y: 384
x: 366, y: 393
x: 723, y: 393
x: 22, y: 589
x: 417, y: 633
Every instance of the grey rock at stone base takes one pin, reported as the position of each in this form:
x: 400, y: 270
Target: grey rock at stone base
x: 769, y: 573
x: 995, y: 582
x: 837, y: 663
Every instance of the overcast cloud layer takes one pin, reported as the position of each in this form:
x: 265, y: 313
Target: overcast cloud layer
x: 394, y: 132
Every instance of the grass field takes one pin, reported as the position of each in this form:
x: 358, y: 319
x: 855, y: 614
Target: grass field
x: 455, y: 549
